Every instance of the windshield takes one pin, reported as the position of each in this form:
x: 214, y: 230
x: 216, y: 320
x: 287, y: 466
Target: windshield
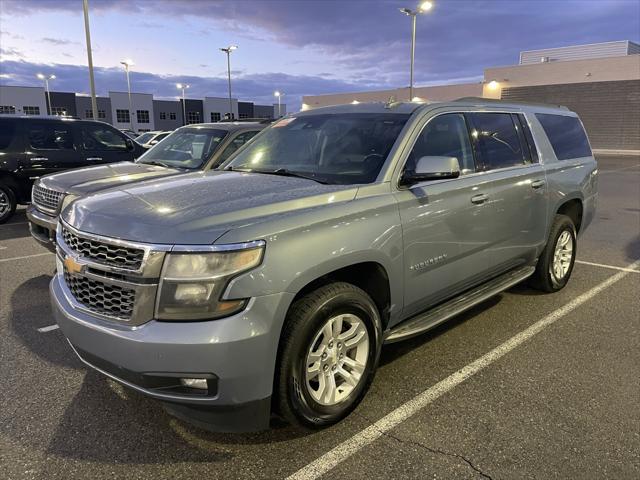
x: 185, y: 148
x: 332, y: 148
x: 145, y: 137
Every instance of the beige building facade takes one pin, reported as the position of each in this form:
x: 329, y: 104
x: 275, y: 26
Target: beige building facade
x: 601, y: 82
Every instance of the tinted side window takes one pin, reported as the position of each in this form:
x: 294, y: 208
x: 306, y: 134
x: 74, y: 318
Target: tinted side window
x: 444, y: 136
x: 7, y: 131
x: 50, y: 136
x: 235, y: 144
x: 566, y: 135
x: 496, y: 140
x: 98, y: 137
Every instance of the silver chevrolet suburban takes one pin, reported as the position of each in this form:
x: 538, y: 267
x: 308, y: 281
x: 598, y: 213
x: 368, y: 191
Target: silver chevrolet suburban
x: 271, y: 286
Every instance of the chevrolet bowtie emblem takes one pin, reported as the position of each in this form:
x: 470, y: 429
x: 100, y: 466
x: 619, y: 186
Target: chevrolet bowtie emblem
x: 72, y: 266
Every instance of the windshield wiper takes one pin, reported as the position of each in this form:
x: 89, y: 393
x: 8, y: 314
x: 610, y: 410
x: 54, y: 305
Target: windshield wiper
x: 156, y: 163
x: 283, y: 172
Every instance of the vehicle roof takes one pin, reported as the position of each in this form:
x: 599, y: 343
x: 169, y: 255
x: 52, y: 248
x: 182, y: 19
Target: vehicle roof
x: 230, y: 126
x: 410, y: 107
x: 55, y: 118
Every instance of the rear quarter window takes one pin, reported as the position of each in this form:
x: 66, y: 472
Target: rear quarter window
x: 566, y: 135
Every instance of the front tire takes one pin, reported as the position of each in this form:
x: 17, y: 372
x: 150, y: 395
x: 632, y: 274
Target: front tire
x: 328, y: 355
x: 558, y: 257
x: 7, y: 203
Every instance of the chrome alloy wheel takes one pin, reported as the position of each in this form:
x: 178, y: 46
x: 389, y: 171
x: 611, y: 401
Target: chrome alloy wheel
x: 337, y: 359
x: 562, y: 256
x: 5, y: 204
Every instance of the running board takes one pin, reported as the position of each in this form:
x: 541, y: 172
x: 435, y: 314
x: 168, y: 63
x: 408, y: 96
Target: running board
x: 431, y: 318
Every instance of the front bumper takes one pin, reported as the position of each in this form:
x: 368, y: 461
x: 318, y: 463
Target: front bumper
x: 238, y: 352
x: 42, y: 227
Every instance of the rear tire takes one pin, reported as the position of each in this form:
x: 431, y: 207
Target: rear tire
x: 8, y: 203
x: 328, y: 355
x: 558, y: 257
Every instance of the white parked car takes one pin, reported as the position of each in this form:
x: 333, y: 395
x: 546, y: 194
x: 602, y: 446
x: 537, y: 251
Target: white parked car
x: 149, y: 139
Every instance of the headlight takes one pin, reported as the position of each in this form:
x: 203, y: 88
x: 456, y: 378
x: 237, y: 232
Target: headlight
x: 67, y: 200
x: 192, y: 284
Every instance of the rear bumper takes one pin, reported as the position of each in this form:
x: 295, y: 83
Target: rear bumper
x: 42, y: 227
x: 236, y: 354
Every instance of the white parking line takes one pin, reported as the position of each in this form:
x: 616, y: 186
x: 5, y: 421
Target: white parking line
x: 612, y: 267
x: 48, y: 328
x: 365, y: 437
x: 2, y: 260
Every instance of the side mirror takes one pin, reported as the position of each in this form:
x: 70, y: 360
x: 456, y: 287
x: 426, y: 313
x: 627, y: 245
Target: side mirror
x: 130, y: 146
x: 432, y: 168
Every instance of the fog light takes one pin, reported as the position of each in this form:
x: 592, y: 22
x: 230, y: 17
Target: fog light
x: 199, y: 383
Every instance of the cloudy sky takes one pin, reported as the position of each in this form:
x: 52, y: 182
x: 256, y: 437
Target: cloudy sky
x: 297, y: 46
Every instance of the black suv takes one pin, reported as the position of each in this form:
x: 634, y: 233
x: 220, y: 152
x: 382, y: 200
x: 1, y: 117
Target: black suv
x: 31, y: 147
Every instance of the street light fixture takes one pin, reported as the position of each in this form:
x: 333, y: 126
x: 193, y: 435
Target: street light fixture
x: 422, y: 8
x: 46, y: 79
x: 128, y: 63
x: 228, y: 51
x: 183, y: 87
x: 279, y: 95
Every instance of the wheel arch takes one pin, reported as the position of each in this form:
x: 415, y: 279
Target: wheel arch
x: 574, y: 209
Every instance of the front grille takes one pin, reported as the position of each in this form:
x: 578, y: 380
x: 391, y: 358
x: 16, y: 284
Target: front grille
x: 46, y: 198
x: 102, y: 298
x: 104, y: 253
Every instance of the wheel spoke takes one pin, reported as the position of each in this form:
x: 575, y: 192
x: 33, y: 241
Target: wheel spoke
x: 349, y: 378
x: 359, y: 336
x: 327, y: 332
x: 337, y: 327
x: 313, y: 371
x: 330, y: 390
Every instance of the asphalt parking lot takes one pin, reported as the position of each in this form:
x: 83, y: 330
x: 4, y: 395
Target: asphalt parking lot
x: 524, y: 386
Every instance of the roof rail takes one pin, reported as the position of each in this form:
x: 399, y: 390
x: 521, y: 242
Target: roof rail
x: 247, y: 120
x: 508, y: 102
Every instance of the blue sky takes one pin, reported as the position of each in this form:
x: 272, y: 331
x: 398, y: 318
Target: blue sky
x: 297, y: 46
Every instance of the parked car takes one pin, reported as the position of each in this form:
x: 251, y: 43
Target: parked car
x: 276, y: 281
x: 190, y: 148
x: 31, y: 147
x: 149, y: 139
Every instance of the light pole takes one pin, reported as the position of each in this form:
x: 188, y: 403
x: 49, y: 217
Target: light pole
x: 278, y: 94
x: 183, y: 87
x: 46, y: 79
x: 92, y: 85
x: 128, y: 63
x: 422, y: 8
x: 228, y: 51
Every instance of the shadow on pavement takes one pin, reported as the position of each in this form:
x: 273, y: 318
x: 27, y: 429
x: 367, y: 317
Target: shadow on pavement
x: 30, y: 309
x: 632, y: 249
x: 137, y: 429
x: 393, y: 351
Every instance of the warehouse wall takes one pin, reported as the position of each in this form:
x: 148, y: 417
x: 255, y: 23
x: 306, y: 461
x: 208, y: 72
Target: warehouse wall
x: 610, y: 111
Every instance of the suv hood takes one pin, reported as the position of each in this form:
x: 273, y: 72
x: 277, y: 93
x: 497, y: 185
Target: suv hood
x: 198, y: 208
x: 92, y: 179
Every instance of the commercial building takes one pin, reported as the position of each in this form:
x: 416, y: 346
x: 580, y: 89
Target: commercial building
x: 601, y: 82
x: 146, y: 113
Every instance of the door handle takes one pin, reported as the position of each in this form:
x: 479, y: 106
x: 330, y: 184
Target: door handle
x: 38, y: 159
x: 479, y: 199
x: 537, y: 184
x: 94, y: 159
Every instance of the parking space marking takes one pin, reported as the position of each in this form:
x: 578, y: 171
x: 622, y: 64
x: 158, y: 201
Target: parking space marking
x: 48, y: 328
x: 344, y: 450
x: 612, y: 267
x: 2, y: 260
